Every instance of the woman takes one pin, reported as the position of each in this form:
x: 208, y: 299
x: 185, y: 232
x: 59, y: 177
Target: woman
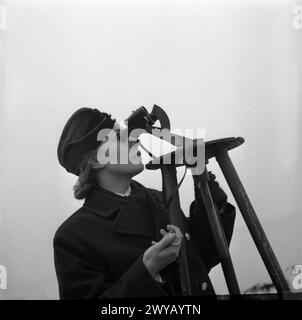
x: 120, y: 242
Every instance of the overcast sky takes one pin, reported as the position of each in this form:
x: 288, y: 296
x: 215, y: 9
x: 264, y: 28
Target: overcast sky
x: 232, y: 68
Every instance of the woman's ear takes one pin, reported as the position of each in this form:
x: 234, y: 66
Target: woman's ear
x: 96, y: 165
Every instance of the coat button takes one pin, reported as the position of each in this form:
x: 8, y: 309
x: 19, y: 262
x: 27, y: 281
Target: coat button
x: 204, y: 286
x: 187, y: 236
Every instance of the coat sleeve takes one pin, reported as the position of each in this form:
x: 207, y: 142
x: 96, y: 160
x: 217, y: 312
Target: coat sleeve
x: 80, y: 279
x: 200, y: 230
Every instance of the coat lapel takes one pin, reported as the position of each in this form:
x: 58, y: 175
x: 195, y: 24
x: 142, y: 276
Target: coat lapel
x: 134, y: 220
x: 159, y: 213
x: 127, y: 216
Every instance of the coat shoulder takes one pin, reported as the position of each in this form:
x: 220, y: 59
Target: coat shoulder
x: 74, y: 224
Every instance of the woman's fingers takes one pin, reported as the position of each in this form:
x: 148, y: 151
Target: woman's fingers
x: 171, y: 237
x: 179, y: 236
x: 166, y: 241
x: 174, y: 229
x: 163, y: 232
x: 171, y: 227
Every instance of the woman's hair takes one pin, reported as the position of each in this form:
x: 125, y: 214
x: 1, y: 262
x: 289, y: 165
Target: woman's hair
x: 87, y: 177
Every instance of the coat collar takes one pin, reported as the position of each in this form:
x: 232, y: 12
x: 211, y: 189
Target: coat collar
x: 104, y: 202
x: 129, y: 216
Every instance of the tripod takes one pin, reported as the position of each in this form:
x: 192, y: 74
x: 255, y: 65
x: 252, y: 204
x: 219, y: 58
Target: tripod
x: 218, y: 149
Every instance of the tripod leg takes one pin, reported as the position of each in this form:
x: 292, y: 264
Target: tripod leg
x: 219, y: 237
x: 252, y: 221
x: 175, y: 214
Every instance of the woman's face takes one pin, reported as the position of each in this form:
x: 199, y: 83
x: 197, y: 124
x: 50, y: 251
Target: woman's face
x: 120, y: 154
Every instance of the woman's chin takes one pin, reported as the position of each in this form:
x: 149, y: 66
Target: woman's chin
x: 137, y: 168
x: 131, y: 169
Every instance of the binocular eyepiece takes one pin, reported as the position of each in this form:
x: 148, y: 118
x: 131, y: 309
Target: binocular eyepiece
x: 140, y: 119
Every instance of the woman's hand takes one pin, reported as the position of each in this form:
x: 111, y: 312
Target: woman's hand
x: 164, y: 252
x: 219, y: 197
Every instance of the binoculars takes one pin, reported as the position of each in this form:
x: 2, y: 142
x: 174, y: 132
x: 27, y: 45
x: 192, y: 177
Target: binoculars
x: 140, y: 119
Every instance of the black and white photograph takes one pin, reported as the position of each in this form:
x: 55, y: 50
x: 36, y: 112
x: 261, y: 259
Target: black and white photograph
x: 150, y: 149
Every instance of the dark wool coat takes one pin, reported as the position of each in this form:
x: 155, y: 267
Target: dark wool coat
x: 98, y: 250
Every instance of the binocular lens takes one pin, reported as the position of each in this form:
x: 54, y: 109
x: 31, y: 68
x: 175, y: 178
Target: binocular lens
x: 140, y: 119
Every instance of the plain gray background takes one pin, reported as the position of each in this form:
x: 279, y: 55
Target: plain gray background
x: 232, y: 68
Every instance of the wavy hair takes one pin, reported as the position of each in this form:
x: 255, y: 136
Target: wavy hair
x: 87, y: 177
